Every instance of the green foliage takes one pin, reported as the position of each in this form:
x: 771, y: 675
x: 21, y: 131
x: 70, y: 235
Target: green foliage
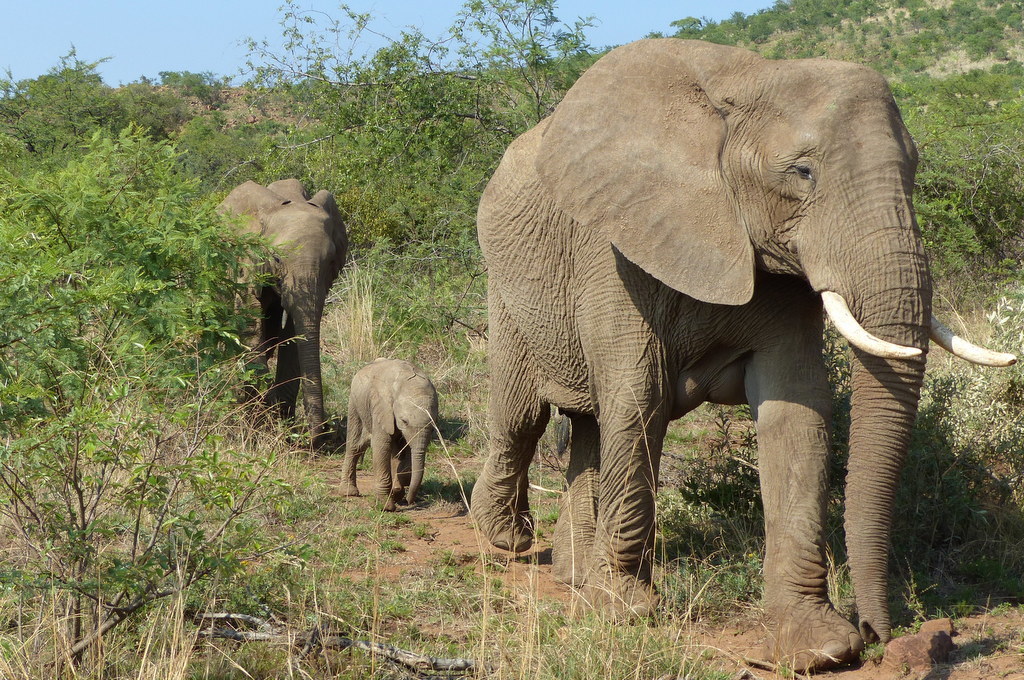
x: 970, y: 135
x: 207, y: 87
x: 427, y: 296
x: 57, y: 111
x: 960, y: 509
x: 725, y: 479
x: 50, y: 119
x: 221, y: 156
x: 416, y: 127
x: 158, y: 113
x: 117, y: 374
x: 898, y: 37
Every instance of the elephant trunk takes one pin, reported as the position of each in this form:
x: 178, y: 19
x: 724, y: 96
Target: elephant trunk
x: 892, y: 302
x: 418, y: 448
x: 306, y: 307
x: 884, y: 407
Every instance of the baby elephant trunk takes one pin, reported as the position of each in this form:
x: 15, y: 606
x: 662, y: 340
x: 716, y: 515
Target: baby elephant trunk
x: 418, y: 447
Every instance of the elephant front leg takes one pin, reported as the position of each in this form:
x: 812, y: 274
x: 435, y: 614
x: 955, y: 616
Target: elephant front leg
x: 499, y: 505
x: 806, y: 632
x: 285, y: 391
x: 574, y: 534
x: 402, y: 471
x: 618, y: 576
x: 384, y: 450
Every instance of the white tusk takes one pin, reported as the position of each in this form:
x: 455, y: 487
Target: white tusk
x: 968, y: 351
x: 842, y: 317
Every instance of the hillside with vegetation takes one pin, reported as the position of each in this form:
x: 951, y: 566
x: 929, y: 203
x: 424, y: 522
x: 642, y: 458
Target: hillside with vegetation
x: 137, y: 496
x: 900, y: 38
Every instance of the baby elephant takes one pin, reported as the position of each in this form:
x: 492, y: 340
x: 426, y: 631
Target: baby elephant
x: 392, y: 407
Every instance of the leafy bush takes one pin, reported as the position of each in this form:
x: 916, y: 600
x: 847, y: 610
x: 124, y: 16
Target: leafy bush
x: 117, y: 379
x: 970, y: 133
x: 961, y: 494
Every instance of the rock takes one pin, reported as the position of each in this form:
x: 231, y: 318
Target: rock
x: 920, y: 651
x: 935, y: 625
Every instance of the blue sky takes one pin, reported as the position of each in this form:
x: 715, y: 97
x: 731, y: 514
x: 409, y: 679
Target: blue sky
x: 144, y: 38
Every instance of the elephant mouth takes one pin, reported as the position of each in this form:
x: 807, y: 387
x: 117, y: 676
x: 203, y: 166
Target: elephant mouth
x: 841, y: 316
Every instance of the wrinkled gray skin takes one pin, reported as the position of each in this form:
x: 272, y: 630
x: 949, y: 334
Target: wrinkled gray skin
x: 311, y: 243
x: 392, y: 407
x: 661, y: 241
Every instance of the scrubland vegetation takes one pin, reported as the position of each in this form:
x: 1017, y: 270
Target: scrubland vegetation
x: 136, y: 494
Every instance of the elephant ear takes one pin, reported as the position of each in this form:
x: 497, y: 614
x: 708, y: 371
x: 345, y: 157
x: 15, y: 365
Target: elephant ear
x: 250, y: 200
x: 289, y: 189
x: 634, y: 149
x: 324, y: 200
x: 383, y: 407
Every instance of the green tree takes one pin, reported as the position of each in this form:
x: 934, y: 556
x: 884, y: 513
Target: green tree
x: 970, y: 134
x: 410, y: 132
x: 59, y: 110
x: 207, y: 87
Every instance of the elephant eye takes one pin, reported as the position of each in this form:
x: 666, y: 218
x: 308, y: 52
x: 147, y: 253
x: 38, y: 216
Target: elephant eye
x: 803, y: 171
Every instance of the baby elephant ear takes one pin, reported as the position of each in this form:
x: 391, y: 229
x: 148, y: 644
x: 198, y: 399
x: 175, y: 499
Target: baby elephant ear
x: 634, y: 149
x: 383, y: 408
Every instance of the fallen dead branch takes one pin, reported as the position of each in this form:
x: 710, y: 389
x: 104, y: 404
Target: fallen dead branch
x: 316, y: 639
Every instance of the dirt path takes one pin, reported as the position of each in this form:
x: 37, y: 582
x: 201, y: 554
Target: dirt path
x: 988, y: 646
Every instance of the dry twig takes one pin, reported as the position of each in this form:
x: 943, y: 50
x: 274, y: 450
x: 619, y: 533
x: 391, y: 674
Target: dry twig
x: 316, y: 639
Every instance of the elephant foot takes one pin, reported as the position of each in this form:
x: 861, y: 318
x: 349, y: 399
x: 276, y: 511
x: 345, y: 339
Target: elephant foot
x: 350, y: 490
x: 813, y: 639
x: 503, y: 525
x: 569, y: 563
x: 390, y: 500
x: 622, y: 596
x: 570, y: 570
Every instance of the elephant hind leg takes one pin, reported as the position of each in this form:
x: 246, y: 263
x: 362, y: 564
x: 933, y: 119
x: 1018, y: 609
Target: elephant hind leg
x: 574, y: 533
x: 355, y: 447
x: 500, y: 506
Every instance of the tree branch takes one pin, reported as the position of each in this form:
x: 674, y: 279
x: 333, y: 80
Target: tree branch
x: 316, y: 639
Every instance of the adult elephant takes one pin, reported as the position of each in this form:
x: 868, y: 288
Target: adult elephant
x: 668, y: 236
x: 310, y: 242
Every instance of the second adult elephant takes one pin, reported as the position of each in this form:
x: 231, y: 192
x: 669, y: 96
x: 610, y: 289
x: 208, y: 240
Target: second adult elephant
x: 311, y: 244
x: 669, y: 236
x: 392, y: 408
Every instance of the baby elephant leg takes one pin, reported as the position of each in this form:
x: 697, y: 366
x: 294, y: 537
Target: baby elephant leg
x: 384, y: 450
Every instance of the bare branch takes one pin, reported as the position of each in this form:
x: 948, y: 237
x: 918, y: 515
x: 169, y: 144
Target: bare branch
x: 315, y: 639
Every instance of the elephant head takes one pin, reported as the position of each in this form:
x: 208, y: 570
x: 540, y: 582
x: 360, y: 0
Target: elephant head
x: 729, y: 184
x: 310, y: 246
x: 415, y: 413
x: 393, y: 409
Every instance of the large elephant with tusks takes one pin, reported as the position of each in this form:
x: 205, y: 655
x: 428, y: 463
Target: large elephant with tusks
x: 669, y: 236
